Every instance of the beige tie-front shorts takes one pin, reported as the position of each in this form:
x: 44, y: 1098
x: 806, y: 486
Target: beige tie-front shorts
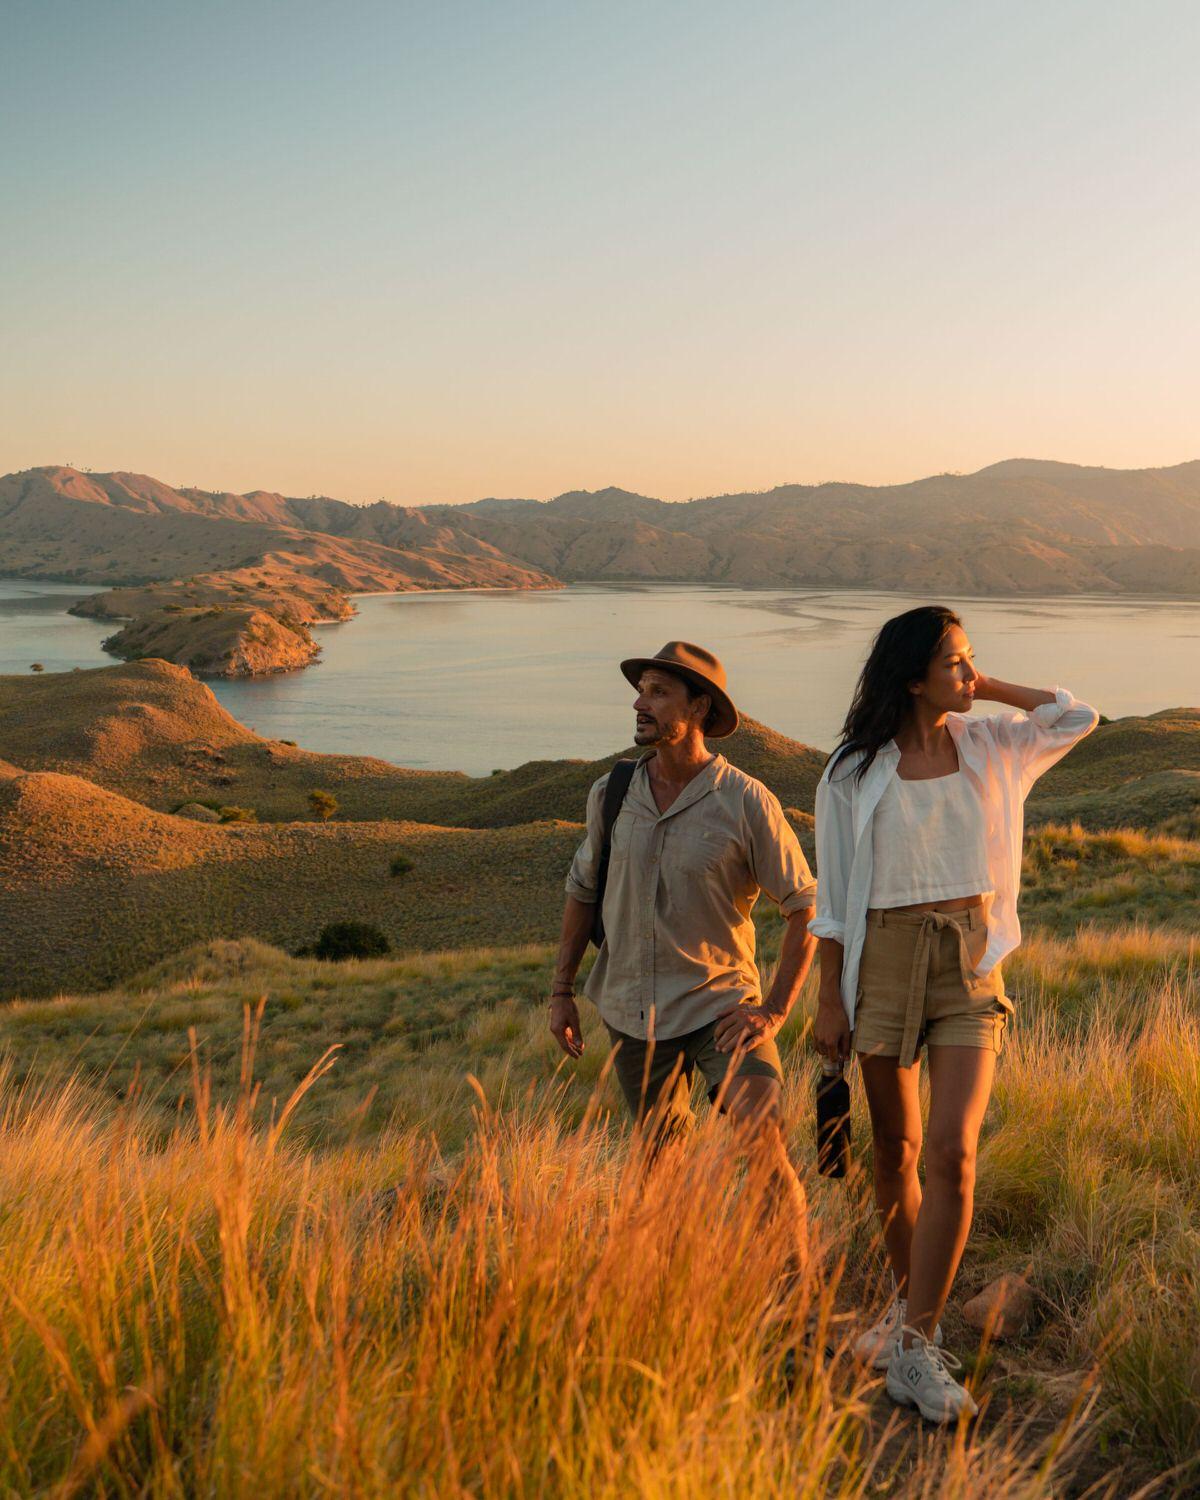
x: 917, y: 985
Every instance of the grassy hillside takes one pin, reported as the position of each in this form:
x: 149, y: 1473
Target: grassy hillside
x: 353, y: 1305
x: 150, y: 731
x: 94, y: 887
x: 1166, y: 801
x: 1072, y: 877
x: 441, y: 1274
x: 1119, y: 751
x: 97, y: 879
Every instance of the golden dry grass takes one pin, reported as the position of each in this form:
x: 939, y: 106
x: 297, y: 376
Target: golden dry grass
x: 1119, y: 876
x: 196, y: 1304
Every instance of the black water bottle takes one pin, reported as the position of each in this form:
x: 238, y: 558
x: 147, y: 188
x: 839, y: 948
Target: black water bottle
x: 833, y: 1120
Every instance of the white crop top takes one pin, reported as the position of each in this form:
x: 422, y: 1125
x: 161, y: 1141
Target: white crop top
x: 929, y: 842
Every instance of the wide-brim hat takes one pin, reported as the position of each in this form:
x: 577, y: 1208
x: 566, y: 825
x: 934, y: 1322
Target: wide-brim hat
x: 702, y: 669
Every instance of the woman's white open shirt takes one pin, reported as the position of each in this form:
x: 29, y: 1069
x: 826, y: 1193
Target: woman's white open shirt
x: 1005, y: 754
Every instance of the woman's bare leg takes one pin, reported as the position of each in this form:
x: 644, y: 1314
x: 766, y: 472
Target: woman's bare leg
x: 960, y: 1084
x: 894, y: 1100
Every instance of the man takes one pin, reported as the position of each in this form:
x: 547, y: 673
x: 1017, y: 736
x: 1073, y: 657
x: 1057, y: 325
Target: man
x: 675, y: 980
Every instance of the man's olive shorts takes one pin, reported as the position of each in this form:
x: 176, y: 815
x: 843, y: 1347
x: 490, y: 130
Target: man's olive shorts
x: 644, y: 1069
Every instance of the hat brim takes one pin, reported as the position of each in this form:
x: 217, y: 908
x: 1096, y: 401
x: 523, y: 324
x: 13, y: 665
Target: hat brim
x: 725, y: 715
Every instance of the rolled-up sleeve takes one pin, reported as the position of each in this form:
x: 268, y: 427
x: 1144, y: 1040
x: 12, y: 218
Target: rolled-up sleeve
x: 776, y: 859
x: 1043, y: 736
x: 581, y: 878
x: 835, y: 849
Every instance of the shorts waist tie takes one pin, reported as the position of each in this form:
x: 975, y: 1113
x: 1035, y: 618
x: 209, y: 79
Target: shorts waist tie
x: 931, y: 922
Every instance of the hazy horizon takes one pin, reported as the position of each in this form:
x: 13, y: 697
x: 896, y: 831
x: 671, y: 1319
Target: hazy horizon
x: 599, y: 489
x: 434, y: 253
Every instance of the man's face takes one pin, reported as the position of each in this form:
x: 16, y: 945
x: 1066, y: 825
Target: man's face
x: 664, y: 714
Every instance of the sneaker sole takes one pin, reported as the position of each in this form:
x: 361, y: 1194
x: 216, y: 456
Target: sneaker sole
x: 902, y: 1396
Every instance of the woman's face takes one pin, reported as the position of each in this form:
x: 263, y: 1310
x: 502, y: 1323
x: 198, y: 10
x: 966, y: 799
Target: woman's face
x: 949, y: 684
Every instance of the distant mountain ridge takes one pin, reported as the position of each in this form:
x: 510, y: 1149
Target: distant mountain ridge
x: 126, y: 528
x: 1021, y: 526
x: 228, y: 584
x: 225, y: 584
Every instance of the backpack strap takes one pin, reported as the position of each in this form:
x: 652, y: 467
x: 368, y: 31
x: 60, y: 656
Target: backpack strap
x: 614, y: 795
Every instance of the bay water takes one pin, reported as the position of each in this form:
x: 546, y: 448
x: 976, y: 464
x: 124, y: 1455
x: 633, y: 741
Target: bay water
x: 488, y: 679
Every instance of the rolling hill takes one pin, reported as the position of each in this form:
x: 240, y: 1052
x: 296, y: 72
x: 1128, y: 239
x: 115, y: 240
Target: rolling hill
x: 94, y: 886
x: 99, y: 878
x: 151, y: 732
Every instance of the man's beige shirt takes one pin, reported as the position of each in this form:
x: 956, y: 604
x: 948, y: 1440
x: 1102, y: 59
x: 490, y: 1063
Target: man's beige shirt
x: 679, y: 937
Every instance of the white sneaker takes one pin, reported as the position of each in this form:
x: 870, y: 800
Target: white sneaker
x: 875, y: 1347
x: 920, y: 1376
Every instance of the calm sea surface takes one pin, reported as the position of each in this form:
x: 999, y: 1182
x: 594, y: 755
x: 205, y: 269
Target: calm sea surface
x: 475, y: 681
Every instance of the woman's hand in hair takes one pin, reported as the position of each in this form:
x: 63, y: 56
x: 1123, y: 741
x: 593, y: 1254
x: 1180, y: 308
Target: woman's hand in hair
x: 831, y: 1029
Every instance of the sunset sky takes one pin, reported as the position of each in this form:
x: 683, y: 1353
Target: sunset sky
x: 440, y: 251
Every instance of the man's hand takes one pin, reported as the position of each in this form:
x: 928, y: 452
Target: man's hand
x: 564, y: 1025
x: 831, y: 1029
x: 745, y: 1026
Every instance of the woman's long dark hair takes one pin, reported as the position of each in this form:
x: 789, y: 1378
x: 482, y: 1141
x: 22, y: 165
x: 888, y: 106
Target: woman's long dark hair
x: 900, y: 655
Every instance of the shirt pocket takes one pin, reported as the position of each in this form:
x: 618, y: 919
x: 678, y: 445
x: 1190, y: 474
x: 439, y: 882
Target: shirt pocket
x: 621, y: 838
x: 702, y: 851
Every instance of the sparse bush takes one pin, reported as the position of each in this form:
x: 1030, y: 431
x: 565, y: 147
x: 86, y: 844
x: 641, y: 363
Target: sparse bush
x: 36, y: 667
x: 238, y: 815
x: 342, y: 940
x: 400, y: 865
x: 323, y: 804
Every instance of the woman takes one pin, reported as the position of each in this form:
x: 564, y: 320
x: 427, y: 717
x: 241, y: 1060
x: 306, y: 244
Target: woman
x: 919, y: 831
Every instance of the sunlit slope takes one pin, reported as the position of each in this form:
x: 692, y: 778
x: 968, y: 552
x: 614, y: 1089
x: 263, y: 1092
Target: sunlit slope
x: 132, y: 529
x: 1166, y: 801
x: 94, y: 886
x: 152, y: 732
x: 1119, y: 751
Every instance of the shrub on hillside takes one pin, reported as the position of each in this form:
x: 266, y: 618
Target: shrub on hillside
x: 323, y: 804
x: 238, y: 815
x: 342, y: 940
x: 400, y: 865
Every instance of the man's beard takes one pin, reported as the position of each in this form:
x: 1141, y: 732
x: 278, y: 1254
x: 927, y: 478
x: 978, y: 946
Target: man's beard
x: 647, y: 734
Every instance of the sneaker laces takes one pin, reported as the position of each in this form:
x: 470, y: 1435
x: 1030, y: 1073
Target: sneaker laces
x: 941, y: 1361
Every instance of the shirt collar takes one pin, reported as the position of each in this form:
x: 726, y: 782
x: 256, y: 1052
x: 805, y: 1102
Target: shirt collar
x: 969, y: 753
x: 700, y: 785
